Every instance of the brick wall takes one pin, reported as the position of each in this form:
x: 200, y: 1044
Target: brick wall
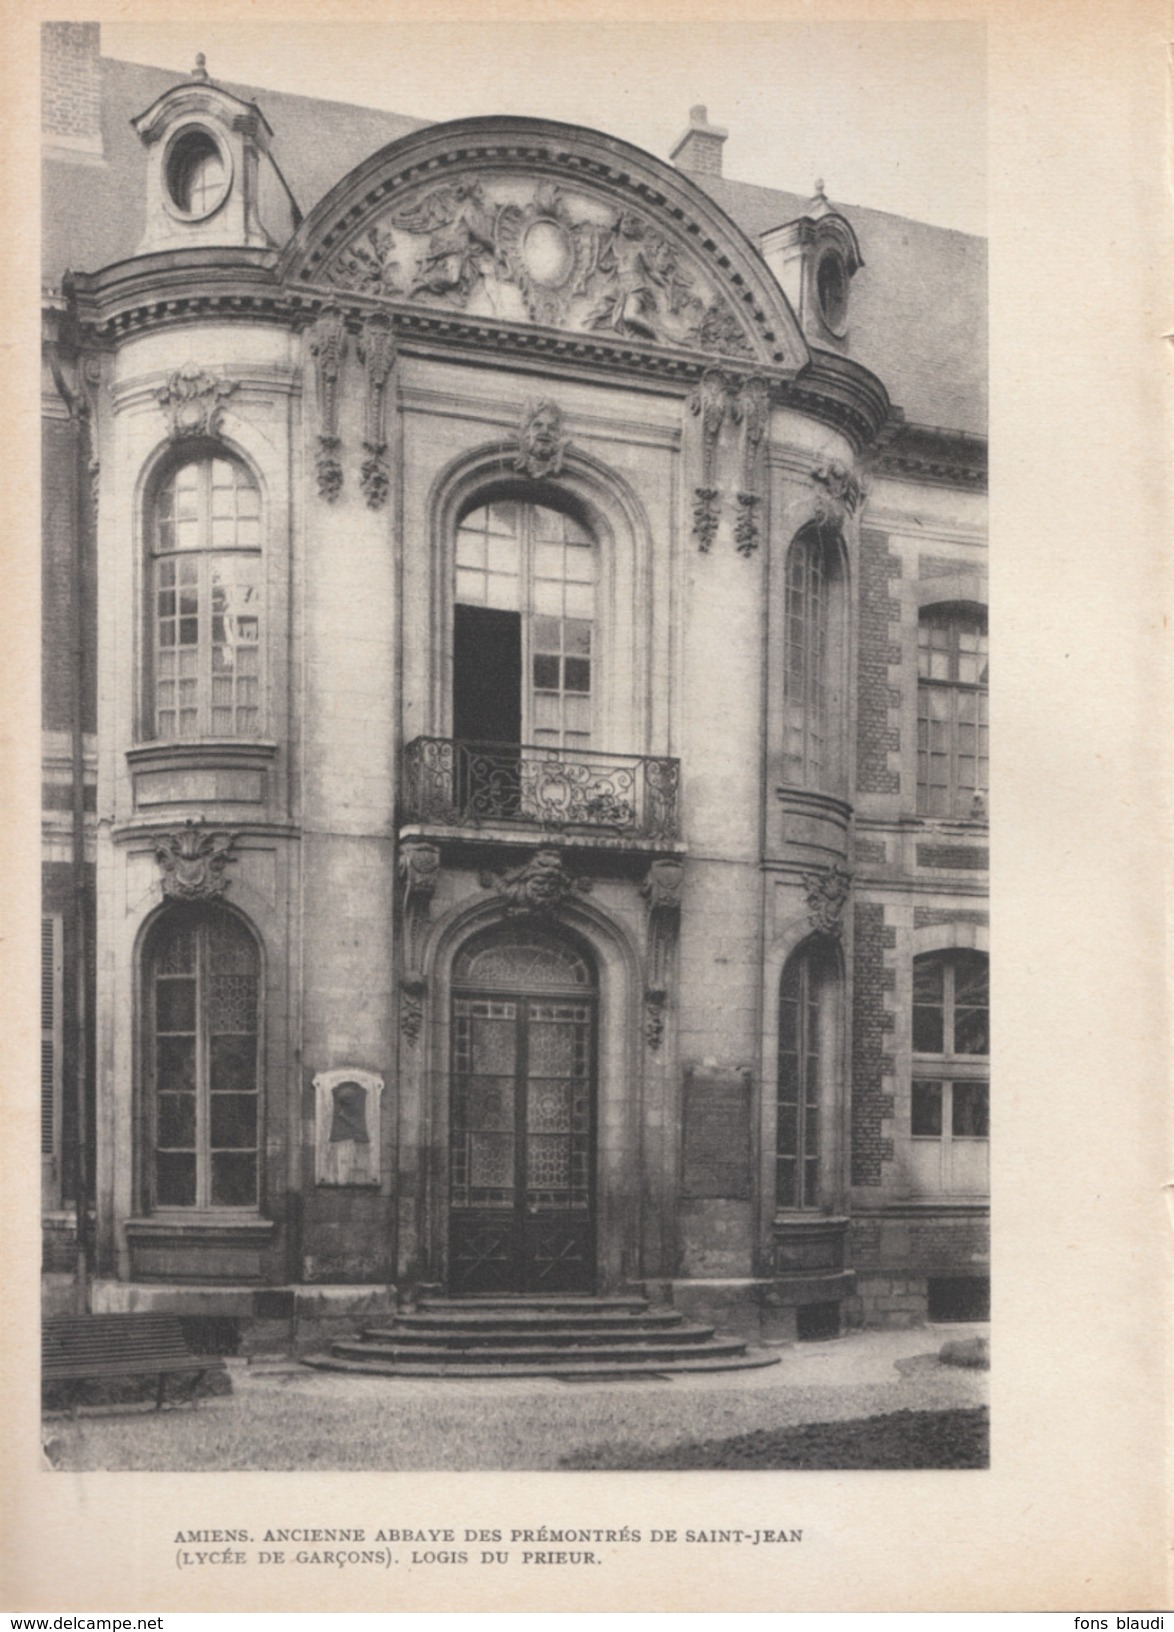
x: 931, y: 1246
x: 942, y: 566
x: 71, y: 87
x: 962, y: 857
x: 878, y: 728
x: 57, y: 897
x: 923, y: 917
x: 872, y: 1022
x: 57, y: 513
x: 897, y: 1258
x: 949, y: 1246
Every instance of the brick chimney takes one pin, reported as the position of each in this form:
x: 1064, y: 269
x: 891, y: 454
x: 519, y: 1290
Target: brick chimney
x: 71, y: 88
x: 699, y: 150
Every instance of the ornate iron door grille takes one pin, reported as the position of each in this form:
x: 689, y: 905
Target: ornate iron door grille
x: 521, y: 1143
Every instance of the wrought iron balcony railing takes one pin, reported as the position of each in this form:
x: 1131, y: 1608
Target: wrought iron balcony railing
x: 488, y: 784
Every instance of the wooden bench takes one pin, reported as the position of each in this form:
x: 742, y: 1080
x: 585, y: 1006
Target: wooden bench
x: 77, y: 1347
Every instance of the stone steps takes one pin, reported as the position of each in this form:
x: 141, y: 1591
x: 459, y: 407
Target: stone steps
x: 578, y: 1338
x: 563, y: 1368
x: 451, y: 1334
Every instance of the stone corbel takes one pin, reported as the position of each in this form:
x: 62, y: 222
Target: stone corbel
x: 328, y: 342
x: 751, y: 407
x: 377, y: 353
x: 661, y: 890
x: 419, y: 870
x: 193, y: 861
x: 827, y: 890
x: 710, y: 402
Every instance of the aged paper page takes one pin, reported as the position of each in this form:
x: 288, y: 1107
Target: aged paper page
x: 1071, y: 1514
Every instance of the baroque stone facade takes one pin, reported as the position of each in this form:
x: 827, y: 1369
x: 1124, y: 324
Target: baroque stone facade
x: 532, y: 650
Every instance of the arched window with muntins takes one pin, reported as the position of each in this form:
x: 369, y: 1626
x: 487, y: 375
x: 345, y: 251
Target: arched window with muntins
x: 202, y: 1099
x: 205, y: 601
x: 812, y: 662
x: 523, y: 958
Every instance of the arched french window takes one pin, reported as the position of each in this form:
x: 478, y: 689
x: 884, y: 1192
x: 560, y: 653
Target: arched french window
x: 204, y: 600
x: 522, y: 1114
x: 808, y: 1052
x: 813, y: 663
x: 202, y: 1071
x: 524, y: 626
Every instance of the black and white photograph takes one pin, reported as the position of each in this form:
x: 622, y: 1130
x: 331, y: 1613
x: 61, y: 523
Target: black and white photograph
x: 516, y: 797
x: 527, y: 757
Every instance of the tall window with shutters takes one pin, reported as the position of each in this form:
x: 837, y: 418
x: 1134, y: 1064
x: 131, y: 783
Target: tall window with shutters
x: 952, y: 770
x: 205, y: 602
x: 202, y: 1098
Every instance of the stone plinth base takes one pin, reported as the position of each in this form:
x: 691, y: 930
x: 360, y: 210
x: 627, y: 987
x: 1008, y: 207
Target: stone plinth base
x: 248, y: 1320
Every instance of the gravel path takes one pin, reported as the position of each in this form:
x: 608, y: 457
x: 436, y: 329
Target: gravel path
x: 281, y: 1417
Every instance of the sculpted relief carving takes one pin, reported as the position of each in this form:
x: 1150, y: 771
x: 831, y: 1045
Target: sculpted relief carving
x: 505, y: 247
x: 193, y: 401
x: 542, y: 443
x: 192, y: 862
x: 827, y: 890
x: 839, y: 493
x: 539, y: 888
x: 722, y: 398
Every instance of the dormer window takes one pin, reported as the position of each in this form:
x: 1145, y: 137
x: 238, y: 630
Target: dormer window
x: 815, y: 257
x: 210, y: 179
x: 831, y: 280
x: 198, y: 174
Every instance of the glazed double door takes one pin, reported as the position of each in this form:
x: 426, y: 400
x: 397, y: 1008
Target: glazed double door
x: 521, y: 1144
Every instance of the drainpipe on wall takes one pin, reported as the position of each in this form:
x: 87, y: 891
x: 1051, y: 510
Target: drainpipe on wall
x: 78, y: 411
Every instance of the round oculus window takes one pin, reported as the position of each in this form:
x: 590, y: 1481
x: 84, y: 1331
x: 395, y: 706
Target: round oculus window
x: 198, y: 174
x: 831, y: 285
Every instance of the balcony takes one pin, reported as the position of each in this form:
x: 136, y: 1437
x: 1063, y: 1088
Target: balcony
x: 474, y: 786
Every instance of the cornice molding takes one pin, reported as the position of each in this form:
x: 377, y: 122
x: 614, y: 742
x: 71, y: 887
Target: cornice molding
x: 161, y: 291
x: 933, y: 454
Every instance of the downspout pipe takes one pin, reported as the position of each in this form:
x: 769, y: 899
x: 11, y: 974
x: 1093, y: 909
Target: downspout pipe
x: 79, y: 422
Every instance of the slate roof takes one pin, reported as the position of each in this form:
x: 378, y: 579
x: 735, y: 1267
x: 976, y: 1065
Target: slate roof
x: 918, y: 305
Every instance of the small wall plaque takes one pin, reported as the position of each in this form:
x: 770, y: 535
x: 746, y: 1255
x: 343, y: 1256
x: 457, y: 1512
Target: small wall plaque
x: 716, y: 1145
x: 347, y: 1128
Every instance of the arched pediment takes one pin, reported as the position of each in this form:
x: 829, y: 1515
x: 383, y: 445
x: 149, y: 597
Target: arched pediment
x: 523, y: 221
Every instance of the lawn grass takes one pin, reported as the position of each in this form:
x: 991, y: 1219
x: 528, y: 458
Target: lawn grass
x: 902, y: 1439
